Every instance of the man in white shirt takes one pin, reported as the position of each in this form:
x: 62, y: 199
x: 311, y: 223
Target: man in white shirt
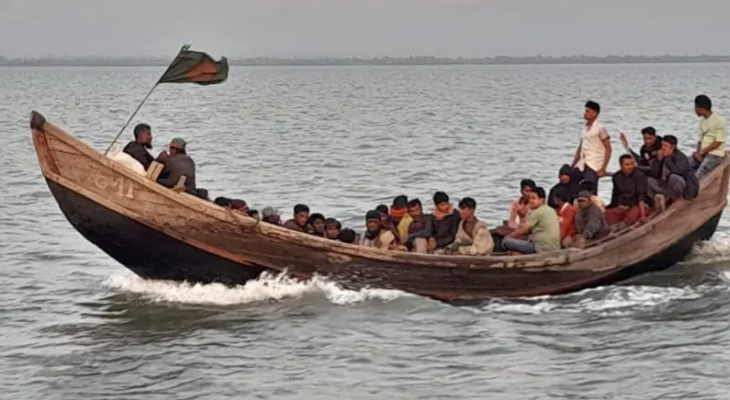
x: 711, y: 145
x: 594, y: 151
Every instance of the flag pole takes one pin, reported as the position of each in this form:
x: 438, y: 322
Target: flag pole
x: 187, y: 46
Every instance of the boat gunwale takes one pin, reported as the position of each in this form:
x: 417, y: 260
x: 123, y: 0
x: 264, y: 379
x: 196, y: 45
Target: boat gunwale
x: 542, y: 261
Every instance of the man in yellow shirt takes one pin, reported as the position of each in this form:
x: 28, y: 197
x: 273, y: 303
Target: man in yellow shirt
x: 711, y: 146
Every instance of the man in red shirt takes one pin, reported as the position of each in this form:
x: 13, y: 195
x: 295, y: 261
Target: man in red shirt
x: 566, y: 216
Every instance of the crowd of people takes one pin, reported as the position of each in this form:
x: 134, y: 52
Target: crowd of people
x: 570, y: 215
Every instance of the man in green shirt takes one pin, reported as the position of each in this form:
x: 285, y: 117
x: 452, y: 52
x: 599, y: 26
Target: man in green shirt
x: 711, y: 145
x: 542, y: 222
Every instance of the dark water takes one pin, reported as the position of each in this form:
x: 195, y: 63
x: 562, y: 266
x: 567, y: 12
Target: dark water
x: 76, y: 325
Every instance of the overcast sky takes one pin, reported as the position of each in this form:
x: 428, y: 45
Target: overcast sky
x: 241, y: 28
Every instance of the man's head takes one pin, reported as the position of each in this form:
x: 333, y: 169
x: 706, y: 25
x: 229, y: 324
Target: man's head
x: 347, y: 236
x: 441, y: 201
x: 467, y: 205
x: 238, y: 205
x: 592, y: 110
x: 669, y: 143
x: 627, y: 164
x: 332, y: 228
x: 564, y: 174
x: 177, y: 146
x: 383, y: 211
x: 143, y: 135
x: 649, y: 135
x: 372, y: 221
x: 584, y: 199
x: 561, y: 197
x: 271, y: 214
x: 400, y: 202
x: 415, y: 208
x: 703, y: 106
x: 526, y: 186
x: 537, y: 197
x: 317, y: 222
x: 301, y: 214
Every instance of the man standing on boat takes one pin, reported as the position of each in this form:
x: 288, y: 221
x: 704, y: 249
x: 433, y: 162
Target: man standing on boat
x: 594, y: 151
x: 711, y: 145
x: 138, y: 148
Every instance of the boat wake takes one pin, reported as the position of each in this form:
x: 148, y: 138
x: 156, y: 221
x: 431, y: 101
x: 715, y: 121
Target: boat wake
x: 266, y: 288
x: 610, y: 300
x: 714, y: 251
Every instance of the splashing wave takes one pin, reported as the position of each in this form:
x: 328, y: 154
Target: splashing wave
x: 266, y: 288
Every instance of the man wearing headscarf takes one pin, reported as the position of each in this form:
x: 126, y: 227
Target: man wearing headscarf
x: 271, y: 215
x: 567, y: 185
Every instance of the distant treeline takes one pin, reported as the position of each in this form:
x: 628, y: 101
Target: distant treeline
x: 52, y: 61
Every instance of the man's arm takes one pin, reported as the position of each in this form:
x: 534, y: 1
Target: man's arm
x: 606, y: 140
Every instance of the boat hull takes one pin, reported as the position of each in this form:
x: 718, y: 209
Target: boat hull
x: 145, y: 251
x: 162, y: 234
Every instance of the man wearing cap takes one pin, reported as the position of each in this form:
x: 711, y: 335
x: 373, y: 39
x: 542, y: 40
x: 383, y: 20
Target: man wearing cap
x: 590, y: 222
x: 176, y: 165
x: 711, y: 146
x: 594, y: 151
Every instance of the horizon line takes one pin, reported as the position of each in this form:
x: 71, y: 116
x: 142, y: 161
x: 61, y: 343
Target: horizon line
x: 66, y: 60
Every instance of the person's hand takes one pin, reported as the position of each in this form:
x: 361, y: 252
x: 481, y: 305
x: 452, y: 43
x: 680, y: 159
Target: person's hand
x: 580, y: 242
x: 624, y: 141
x: 163, y: 155
x: 601, y: 172
x: 697, y: 155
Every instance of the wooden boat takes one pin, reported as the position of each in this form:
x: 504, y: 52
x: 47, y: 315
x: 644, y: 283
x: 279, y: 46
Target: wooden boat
x: 162, y: 234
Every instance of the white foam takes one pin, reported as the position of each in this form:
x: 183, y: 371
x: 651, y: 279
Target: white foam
x: 266, y: 288
x: 608, y: 301
x: 713, y: 251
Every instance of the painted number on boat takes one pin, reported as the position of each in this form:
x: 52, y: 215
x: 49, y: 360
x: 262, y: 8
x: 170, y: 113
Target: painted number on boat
x: 124, y: 188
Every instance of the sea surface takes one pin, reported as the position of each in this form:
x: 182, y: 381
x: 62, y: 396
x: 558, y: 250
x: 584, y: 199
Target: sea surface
x: 74, y: 324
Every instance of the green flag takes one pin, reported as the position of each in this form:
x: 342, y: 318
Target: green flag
x: 195, y: 67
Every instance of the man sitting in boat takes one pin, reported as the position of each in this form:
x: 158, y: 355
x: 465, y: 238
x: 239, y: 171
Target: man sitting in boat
x: 316, y: 225
x: 348, y: 236
x: 271, y: 215
x: 590, y: 222
x: 387, y: 221
x: 520, y: 207
x: 672, y: 176
x: 566, y: 184
x: 711, y: 146
x: 649, y: 150
x: 594, y: 151
x: 138, y: 147
x: 420, y: 229
x: 375, y: 236
x: 332, y: 228
x: 176, y: 165
x: 566, y: 216
x: 299, y: 222
x: 400, y: 217
x: 588, y: 186
x: 473, y: 237
x: 628, y: 199
x: 445, y: 223
x: 542, y: 223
